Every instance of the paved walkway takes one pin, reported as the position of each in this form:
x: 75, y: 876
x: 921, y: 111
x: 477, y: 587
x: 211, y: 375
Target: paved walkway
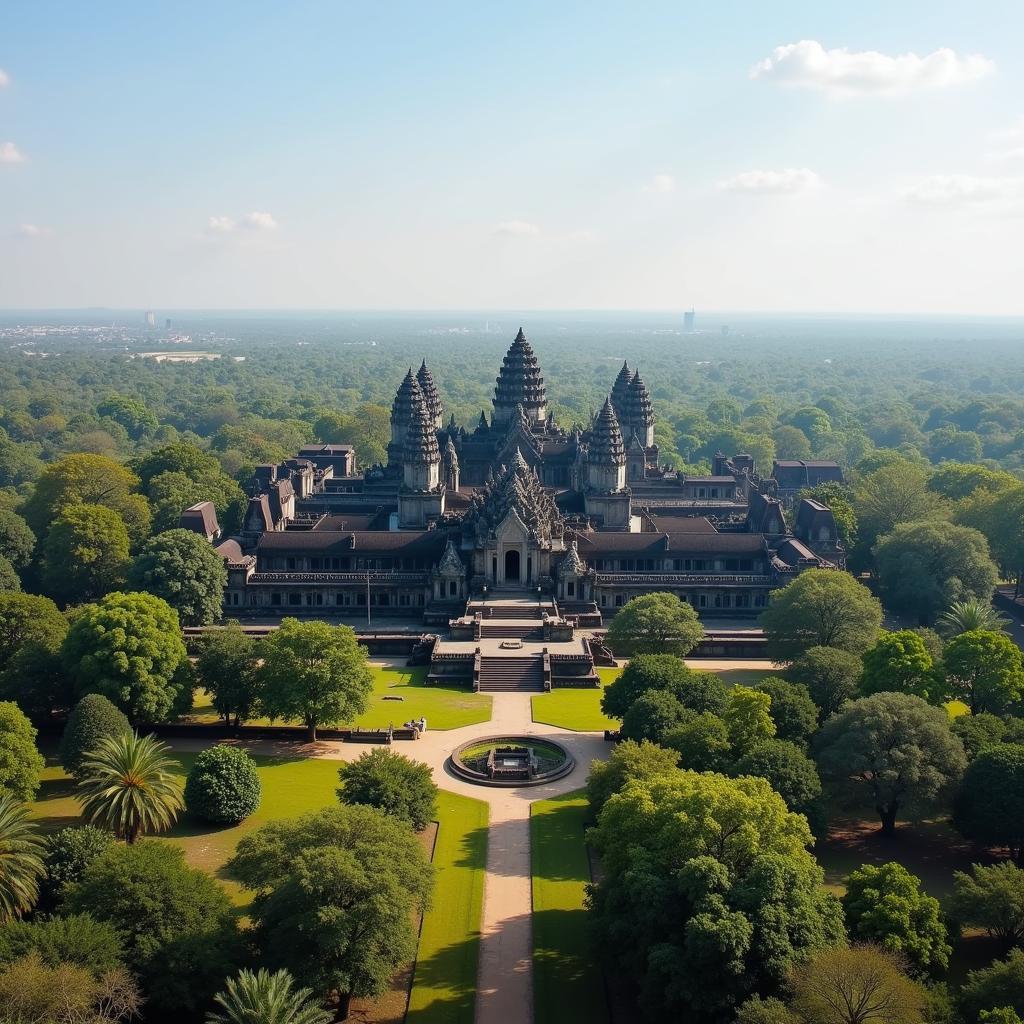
x: 505, y: 976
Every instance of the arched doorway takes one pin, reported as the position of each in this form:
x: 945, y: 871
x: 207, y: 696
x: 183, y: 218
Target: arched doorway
x: 512, y: 565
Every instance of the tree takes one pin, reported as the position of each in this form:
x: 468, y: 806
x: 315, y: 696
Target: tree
x: 655, y: 624
x: 985, y: 670
x: 67, y: 854
x: 820, y: 608
x: 21, y: 764
x: 315, y: 673
x: 129, y: 648
x: 886, y: 905
x: 87, y: 480
x: 790, y: 772
x: 832, y: 677
x: 794, y: 713
x: 708, y: 892
x: 891, y: 496
x: 999, y: 515
x: 698, y: 691
x: 27, y: 619
x: 764, y: 1011
x: 127, y: 786
x: 900, y: 663
x: 701, y: 743
x: 629, y: 760
x: 978, y: 732
x: 989, y: 808
x: 223, y: 786
x: 361, y: 874
x: 891, y: 752
x: 226, y: 663
x: 747, y: 719
x: 1000, y: 985
x: 71, y: 939
x: 1001, y: 1015
x: 392, y: 783
x: 10, y: 582
x: 31, y: 991
x: 859, y: 985
x: 21, y: 861
x: 93, y: 719
x: 266, y: 998
x: 183, y: 569
x: 653, y: 716
x: 991, y: 898
x: 130, y: 413
x: 36, y: 680
x: 967, y: 616
x: 17, y: 541
x: 924, y: 567
x: 85, y: 553
x: 177, y: 922
x: 956, y: 480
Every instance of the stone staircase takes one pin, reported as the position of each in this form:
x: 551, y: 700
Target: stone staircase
x: 511, y: 631
x: 512, y: 674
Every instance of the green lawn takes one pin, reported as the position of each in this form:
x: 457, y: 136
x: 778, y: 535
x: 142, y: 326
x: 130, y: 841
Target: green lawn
x: 567, y: 985
x: 444, y: 982
x: 444, y: 707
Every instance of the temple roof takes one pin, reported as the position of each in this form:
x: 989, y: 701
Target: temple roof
x: 519, y: 381
x: 401, y: 407
x: 638, y: 403
x: 606, y: 447
x: 620, y: 391
x: 433, y: 397
x: 421, y: 438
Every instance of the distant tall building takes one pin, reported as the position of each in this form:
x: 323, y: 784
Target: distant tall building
x: 167, y: 323
x: 688, y: 318
x: 150, y: 319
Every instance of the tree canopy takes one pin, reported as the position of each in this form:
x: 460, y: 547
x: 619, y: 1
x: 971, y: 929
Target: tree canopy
x: 655, y: 624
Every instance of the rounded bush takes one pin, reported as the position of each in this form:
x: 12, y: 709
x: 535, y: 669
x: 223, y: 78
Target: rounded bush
x: 223, y: 786
x: 68, y: 853
x: 92, y: 719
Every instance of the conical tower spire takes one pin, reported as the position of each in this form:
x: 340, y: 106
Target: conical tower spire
x: 620, y: 391
x: 520, y: 383
x: 606, y: 446
x: 433, y: 397
x: 401, y: 413
x: 640, y: 413
x: 421, y: 439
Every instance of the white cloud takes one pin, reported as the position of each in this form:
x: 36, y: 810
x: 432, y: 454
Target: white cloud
x: 779, y: 183
x: 10, y: 154
x: 1010, y: 142
x: 663, y: 183
x: 842, y: 72
x: 259, y: 220
x: 519, y: 228
x: 5, y: 79
x: 34, y: 231
x: 954, y: 189
x: 220, y: 225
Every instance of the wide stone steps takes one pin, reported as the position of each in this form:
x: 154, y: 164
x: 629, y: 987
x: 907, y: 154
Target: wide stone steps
x: 511, y: 675
x: 514, y: 611
x: 508, y: 631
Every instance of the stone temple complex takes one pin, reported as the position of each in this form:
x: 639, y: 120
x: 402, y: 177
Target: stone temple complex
x: 518, y: 508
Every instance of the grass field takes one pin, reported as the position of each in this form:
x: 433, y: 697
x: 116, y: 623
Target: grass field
x: 444, y: 981
x: 567, y: 985
x: 408, y: 697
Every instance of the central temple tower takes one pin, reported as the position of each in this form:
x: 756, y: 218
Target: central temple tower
x: 520, y: 383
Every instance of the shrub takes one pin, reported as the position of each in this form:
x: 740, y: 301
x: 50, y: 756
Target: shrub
x: 391, y: 782
x: 68, y: 853
x: 20, y: 763
x: 223, y: 786
x: 92, y: 719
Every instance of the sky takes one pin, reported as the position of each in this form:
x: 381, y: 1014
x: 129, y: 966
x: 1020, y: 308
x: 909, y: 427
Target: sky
x: 770, y: 157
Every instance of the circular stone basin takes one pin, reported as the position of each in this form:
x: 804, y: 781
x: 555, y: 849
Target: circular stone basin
x: 511, y: 761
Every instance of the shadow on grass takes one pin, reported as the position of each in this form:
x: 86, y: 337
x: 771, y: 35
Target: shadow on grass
x: 444, y: 985
x: 473, y: 849
x: 557, y: 843
x: 567, y: 983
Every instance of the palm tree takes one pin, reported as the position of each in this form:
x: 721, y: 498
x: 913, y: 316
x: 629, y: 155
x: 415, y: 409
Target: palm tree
x: 265, y: 998
x: 21, y: 860
x: 963, y: 616
x: 127, y: 786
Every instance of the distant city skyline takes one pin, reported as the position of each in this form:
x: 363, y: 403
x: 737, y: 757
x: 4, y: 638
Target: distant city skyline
x: 783, y: 158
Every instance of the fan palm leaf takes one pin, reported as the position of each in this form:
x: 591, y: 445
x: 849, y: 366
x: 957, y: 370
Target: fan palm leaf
x: 265, y: 998
x: 21, y: 860
x: 965, y: 616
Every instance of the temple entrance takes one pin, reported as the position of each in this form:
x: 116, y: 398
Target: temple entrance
x: 512, y: 566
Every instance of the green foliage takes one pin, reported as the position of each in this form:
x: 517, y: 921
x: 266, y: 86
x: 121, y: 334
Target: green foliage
x: 10, y: 582
x: 989, y: 807
x: 27, y: 619
x: 764, y: 1011
x: 1001, y: 1015
x: 705, y: 881
x: 226, y: 663
x: 93, y: 719
x: 360, y: 873
x: 183, y: 569
x: 653, y: 716
x: 35, y: 679
x: 85, y: 553
x: 655, y: 624
x: 998, y: 986
x: 223, y: 786
x: 130, y: 413
x: 702, y: 743
x: 747, y: 718
x: 17, y: 541
x: 794, y: 713
x: 628, y: 760
x: 969, y: 615
x: 886, y: 905
x: 978, y: 732
x: 392, y: 783
x: 838, y: 498
x: 832, y: 677
x: 127, y: 785
x: 893, y: 495
x: 991, y: 897
x: 791, y: 773
x: 924, y: 567
x: 956, y: 480
x: 129, y: 648
x: 266, y: 998
x: 698, y: 691
x: 176, y: 922
x: 73, y: 939
x: 890, y: 752
x: 820, y: 608
x: 314, y: 672
x: 900, y: 663
x: 985, y: 670
x: 67, y: 854
x: 21, y: 764
x: 999, y: 515
x: 21, y: 860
